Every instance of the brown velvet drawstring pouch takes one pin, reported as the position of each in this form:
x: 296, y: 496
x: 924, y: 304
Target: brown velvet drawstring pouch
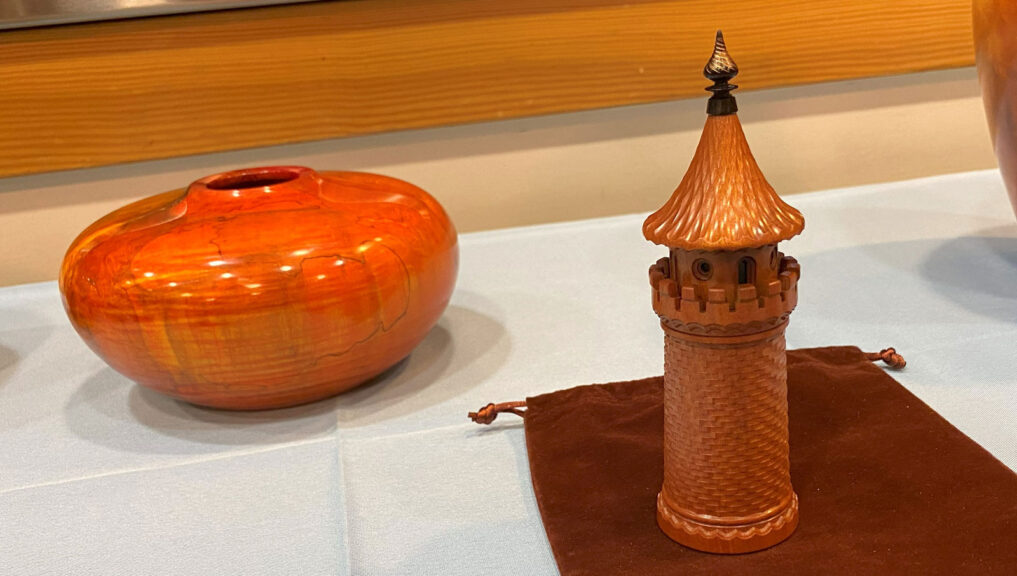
x: 885, y: 484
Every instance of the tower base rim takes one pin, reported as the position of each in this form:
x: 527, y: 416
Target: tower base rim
x: 722, y: 539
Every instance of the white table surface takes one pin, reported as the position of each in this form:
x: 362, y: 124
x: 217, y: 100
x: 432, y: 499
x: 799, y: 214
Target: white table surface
x: 100, y: 476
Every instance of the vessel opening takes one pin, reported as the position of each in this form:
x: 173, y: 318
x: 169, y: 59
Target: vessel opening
x: 241, y: 180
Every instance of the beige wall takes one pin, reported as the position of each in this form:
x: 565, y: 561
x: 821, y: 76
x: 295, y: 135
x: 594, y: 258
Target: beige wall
x: 562, y: 167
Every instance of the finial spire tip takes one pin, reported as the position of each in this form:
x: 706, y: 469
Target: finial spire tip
x: 721, y: 68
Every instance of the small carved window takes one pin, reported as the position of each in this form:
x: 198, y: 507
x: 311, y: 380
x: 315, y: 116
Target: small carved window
x: 773, y: 259
x: 702, y: 269
x: 746, y: 271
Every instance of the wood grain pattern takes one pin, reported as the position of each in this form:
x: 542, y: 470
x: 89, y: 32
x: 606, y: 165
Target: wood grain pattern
x: 103, y: 93
x: 262, y: 288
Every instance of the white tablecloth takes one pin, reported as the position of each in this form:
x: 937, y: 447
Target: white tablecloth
x: 99, y: 476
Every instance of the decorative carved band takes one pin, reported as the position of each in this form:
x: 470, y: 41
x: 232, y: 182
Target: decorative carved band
x: 744, y: 532
x: 724, y: 329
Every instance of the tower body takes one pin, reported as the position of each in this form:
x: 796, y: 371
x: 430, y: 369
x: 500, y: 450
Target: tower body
x: 724, y: 294
x: 727, y: 482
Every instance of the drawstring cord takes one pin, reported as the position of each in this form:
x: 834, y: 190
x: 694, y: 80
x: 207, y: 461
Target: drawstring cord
x: 488, y: 413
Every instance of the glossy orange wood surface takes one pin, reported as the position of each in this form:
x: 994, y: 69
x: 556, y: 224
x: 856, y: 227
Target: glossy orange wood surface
x: 262, y: 288
x: 995, y: 25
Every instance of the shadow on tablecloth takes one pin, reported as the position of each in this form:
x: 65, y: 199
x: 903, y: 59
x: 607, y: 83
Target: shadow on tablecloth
x: 106, y: 401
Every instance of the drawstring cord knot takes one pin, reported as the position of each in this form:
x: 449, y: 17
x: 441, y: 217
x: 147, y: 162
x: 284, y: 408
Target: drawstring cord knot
x: 888, y: 355
x: 488, y: 413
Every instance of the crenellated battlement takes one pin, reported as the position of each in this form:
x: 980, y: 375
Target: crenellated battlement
x: 701, y: 308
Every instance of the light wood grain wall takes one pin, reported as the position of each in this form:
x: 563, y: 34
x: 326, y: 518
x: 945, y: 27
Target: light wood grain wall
x: 561, y: 167
x: 104, y: 93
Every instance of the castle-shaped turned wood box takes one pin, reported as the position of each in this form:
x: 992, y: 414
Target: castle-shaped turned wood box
x: 724, y: 294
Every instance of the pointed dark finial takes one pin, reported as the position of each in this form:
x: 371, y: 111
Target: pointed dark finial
x: 721, y: 68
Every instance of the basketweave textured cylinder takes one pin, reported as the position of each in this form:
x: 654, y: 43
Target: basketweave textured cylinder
x: 727, y: 482
x: 724, y: 294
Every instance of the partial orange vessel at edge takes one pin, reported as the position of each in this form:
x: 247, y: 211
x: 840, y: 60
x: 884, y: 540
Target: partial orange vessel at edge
x: 995, y: 29
x: 265, y: 287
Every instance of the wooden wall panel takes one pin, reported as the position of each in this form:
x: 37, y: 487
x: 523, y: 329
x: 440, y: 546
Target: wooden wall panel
x: 103, y: 93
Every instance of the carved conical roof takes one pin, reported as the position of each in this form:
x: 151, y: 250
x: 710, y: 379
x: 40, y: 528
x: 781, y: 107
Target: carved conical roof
x: 724, y: 202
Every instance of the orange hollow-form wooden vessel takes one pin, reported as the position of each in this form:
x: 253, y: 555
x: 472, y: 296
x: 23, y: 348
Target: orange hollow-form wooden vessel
x: 995, y: 24
x: 262, y: 288
x: 724, y: 294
